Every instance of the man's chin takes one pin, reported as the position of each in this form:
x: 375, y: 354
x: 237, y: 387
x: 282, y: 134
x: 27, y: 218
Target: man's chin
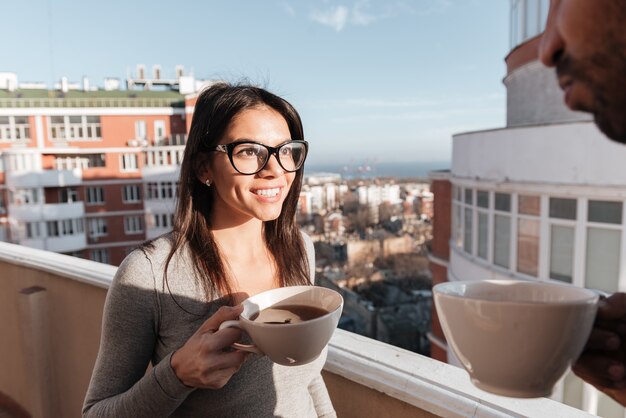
x: 614, y: 129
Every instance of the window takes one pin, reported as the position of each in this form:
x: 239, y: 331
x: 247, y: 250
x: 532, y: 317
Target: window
x: 101, y: 255
x: 140, y: 129
x: 529, y: 205
x: 68, y: 195
x: 467, y: 235
x: 562, y: 208
x: 605, y: 212
x: 502, y: 230
x: 128, y: 162
x: 561, y: 252
x: 95, y: 160
x: 95, y: 195
x: 24, y: 196
x: 528, y: 246
x: 603, y: 259
x: 482, y: 203
x: 133, y: 224
x: 162, y: 190
x: 97, y: 227
x: 163, y: 220
x: 75, y: 128
x: 32, y: 230
x: 52, y: 228
x: 14, y: 129
x: 131, y: 193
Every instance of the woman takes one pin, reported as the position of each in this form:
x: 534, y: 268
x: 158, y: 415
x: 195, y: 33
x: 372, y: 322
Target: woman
x: 235, y: 235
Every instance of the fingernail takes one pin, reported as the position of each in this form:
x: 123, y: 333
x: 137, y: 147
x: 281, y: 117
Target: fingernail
x: 612, y: 343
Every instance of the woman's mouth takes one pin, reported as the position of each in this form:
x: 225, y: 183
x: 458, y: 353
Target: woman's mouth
x: 267, y: 193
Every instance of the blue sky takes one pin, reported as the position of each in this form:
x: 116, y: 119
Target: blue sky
x: 380, y: 81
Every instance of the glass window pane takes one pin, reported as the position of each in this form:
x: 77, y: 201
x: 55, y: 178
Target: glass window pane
x: 469, y: 196
x: 561, y: 253
x: 562, y: 208
x: 503, y: 202
x: 529, y: 205
x: 528, y: 246
x: 467, y: 236
x: 602, y: 266
x: 483, y: 233
x: 458, y: 225
x: 605, y: 212
x: 502, y: 240
x: 482, y: 198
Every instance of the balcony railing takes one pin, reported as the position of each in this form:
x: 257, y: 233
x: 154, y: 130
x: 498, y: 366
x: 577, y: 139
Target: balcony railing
x: 50, y: 314
x: 91, y: 102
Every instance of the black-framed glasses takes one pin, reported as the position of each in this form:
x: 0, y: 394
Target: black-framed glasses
x: 250, y: 157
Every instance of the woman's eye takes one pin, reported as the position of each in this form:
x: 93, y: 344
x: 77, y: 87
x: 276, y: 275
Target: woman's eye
x: 247, y: 152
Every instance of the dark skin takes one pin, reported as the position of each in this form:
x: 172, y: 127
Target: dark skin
x: 603, y: 363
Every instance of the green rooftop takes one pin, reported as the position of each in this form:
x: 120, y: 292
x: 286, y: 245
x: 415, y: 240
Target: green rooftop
x: 95, y: 98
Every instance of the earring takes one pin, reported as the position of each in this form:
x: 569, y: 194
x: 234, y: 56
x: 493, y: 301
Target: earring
x: 208, y: 183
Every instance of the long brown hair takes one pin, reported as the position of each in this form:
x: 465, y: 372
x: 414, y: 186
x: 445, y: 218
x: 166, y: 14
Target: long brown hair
x: 215, y: 108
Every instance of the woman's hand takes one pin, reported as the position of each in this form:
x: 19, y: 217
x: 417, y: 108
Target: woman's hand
x: 202, y: 362
x: 603, y: 363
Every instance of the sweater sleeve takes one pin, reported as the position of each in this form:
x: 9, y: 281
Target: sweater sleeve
x: 120, y: 385
x: 321, y: 399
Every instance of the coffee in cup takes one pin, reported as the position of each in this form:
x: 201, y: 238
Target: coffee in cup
x: 291, y: 325
x: 515, y: 337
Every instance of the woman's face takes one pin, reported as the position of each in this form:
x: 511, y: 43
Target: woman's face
x: 240, y: 197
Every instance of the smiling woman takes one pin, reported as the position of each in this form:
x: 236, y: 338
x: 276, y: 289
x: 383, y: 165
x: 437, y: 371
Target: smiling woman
x: 235, y: 236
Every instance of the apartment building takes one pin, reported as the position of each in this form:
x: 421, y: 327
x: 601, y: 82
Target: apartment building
x: 91, y: 172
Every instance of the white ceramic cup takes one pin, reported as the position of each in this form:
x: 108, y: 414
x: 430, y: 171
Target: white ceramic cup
x: 289, y: 344
x: 515, y: 338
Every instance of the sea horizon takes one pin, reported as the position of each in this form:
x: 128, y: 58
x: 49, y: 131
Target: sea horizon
x: 409, y: 169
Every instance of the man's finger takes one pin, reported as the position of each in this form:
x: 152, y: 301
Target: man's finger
x: 599, y: 370
x: 613, y: 307
x: 601, y: 339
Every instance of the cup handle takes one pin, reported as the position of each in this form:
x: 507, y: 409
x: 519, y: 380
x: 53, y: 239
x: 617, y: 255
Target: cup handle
x: 243, y: 347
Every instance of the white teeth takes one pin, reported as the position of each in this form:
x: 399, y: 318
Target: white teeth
x: 267, y: 192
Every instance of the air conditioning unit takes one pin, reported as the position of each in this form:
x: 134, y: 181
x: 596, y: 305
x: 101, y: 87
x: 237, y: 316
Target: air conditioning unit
x: 143, y: 142
x: 133, y: 143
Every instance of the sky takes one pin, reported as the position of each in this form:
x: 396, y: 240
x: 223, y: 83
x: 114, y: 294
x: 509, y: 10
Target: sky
x: 374, y: 81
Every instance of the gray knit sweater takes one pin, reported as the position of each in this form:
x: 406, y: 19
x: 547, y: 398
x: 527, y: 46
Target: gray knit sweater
x: 144, y: 322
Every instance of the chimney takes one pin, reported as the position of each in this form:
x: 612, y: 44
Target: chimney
x: 156, y: 72
x: 141, y: 71
x: 180, y: 71
x: 85, y: 84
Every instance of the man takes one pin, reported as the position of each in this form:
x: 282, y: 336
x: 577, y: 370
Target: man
x: 585, y: 40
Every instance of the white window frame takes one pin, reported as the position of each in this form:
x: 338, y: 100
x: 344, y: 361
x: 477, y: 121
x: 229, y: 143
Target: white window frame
x: 94, y: 195
x: 15, y: 132
x: 129, y: 162
x: 131, y: 193
x: 133, y: 224
x: 100, y: 255
x: 82, y: 131
x: 98, y: 227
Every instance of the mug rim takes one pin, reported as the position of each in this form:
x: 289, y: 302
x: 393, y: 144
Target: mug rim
x: 288, y: 325
x: 585, y: 296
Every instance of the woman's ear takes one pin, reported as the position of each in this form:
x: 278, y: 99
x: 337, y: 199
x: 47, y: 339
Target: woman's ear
x: 202, y: 167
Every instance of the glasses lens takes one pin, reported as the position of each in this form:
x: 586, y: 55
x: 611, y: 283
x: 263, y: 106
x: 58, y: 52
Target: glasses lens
x: 249, y: 158
x: 292, y: 155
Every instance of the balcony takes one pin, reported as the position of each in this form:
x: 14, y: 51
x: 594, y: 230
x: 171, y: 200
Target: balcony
x: 45, y: 178
x: 50, y: 314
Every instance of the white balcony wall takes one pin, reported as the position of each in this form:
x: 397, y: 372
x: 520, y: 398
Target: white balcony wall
x: 66, y: 243
x: 52, y: 211
x: 563, y: 154
x: 25, y: 212
x: 47, y: 178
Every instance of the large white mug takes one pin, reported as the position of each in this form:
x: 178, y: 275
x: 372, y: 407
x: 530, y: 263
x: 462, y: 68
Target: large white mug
x: 515, y: 337
x: 289, y: 340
